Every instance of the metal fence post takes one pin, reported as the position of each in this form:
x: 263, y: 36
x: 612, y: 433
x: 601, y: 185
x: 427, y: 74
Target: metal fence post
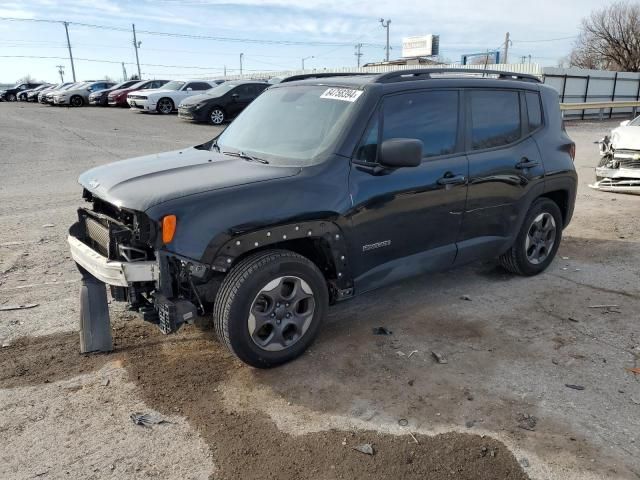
x: 586, y: 94
x: 613, y: 95
x: 564, y: 87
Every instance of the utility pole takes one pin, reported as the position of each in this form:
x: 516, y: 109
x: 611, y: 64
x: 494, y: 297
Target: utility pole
x: 124, y: 73
x: 136, y: 46
x: 358, y: 53
x: 241, y: 55
x: 61, y: 72
x: 387, y: 27
x: 225, y: 72
x: 507, y: 41
x: 306, y: 58
x: 73, y: 68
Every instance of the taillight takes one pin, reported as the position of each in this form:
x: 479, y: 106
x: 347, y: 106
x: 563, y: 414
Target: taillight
x: 572, y: 151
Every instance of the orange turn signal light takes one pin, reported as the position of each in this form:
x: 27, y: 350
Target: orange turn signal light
x: 168, y: 228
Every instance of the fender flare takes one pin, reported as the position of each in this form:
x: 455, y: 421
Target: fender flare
x: 225, y: 249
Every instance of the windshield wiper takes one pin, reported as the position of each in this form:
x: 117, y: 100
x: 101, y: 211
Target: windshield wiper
x: 245, y: 156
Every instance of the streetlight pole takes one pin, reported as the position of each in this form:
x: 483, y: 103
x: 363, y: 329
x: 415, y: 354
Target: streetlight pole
x: 241, y: 55
x: 306, y: 58
x: 386, y: 26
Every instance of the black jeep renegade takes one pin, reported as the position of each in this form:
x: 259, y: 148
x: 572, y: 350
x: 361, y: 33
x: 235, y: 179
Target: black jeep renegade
x: 326, y: 187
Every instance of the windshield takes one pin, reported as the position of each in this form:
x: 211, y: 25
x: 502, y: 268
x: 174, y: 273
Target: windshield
x: 172, y: 86
x: 635, y: 122
x: 309, y: 118
x: 220, y: 90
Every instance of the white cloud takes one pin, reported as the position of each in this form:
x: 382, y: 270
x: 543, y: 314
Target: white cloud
x: 16, y: 13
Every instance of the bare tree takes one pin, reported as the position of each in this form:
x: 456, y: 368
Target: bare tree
x: 609, y: 39
x: 488, y: 59
x: 26, y: 79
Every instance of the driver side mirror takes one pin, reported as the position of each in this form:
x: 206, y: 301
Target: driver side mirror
x: 234, y: 95
x: 401, y: 152
x: 189, y: 89
x: 88, y: 89
x: 625, y: 123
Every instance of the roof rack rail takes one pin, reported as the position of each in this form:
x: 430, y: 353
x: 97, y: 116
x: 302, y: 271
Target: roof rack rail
x: 425, y: 74
x: 305, y: 76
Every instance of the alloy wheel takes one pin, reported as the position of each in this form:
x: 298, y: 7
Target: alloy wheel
x: 281, y: 313
x: 541, y: 237
x: 217, y: 116
x: 76, y: 101
x: 165, y: 106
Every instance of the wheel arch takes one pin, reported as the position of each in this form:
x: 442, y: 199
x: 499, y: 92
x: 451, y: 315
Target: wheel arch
x: 321, y: 241
x: 561, y: 198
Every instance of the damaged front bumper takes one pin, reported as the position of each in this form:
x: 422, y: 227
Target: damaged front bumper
x: 112, y: 272
x: 618, y: 171
x: 147, y: 282
x: 618, y: 180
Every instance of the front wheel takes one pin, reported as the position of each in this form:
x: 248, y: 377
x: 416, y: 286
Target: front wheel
x: 538, y: 240
x: 270, y: 306
x: 217, y: 116
x: 76, y: 101
x: 11, y: 97
x: 165, y: 106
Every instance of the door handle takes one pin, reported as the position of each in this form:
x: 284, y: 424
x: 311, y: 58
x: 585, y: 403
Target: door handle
x: 526, y: 163
x: 451, y: 179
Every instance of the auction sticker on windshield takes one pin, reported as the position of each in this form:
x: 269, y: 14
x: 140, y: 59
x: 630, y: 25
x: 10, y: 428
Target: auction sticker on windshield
x: 344, y: 94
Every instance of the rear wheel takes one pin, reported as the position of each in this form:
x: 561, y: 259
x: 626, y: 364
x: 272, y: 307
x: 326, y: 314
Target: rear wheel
x: 76, y: 101
x: 217, y: 116
x: 11, y: 97
x: 538, y: 240
x: 165, y: 106
x: 270, y: 306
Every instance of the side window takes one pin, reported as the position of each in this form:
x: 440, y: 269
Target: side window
x: 495, y: 118
x: 242, y: 90
x: 200, y: 86
x: 430, y: 116
x: 534, y: 112
x: 368, y: 149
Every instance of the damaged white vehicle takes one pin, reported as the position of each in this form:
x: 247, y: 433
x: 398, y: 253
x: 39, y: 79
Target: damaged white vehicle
x: 619, y: 167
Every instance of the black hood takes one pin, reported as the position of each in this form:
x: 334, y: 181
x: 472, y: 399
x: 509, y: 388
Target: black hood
x: 142, y: 182
x: 196, y: 99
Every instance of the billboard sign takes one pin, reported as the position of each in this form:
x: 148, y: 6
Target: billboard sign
x: 421, y: 46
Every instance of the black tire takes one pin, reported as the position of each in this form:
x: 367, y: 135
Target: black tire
x: 241, y: 290
x: 217, y: 116
x: 11, y: 97
x: 170, y: 106
x: 76, y: 101
x: 517, y: 260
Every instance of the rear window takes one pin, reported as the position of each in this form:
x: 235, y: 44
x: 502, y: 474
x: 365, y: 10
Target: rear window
x: 495, y: 118
x: 534, y: 112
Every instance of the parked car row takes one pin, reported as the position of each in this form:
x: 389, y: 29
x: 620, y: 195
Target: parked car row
x: 214, y: 101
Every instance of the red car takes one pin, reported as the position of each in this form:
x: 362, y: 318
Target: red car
x: 118, y: 98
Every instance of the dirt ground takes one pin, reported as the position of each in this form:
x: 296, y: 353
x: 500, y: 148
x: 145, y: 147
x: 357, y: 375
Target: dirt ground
x: 499, y: 409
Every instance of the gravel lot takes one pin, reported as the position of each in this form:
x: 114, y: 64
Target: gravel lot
x: 499, y: 409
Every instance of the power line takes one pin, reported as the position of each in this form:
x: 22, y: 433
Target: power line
x: 96, y: 60
x: 546, y: 40
x: 195, y: 36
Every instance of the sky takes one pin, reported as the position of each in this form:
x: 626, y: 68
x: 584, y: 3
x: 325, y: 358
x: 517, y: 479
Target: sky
x: 271, y: 34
